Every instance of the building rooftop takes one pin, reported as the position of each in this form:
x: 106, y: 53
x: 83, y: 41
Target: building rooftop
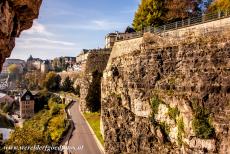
x: 46, y: 62
x: 26, y: 93
x: 2, y: 95
x: 33, y: 59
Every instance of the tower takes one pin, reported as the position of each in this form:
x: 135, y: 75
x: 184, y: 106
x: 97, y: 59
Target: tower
x: 26, y: 105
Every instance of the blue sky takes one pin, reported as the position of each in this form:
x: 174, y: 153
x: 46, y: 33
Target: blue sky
x: 65, y: 27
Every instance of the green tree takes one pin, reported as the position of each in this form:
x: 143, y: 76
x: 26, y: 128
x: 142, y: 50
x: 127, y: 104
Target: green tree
x: 1, y: 136
x: 34, y: 80
x: 13, y: 68
x: 6, y: 108
x: 52, y: 81
x: 77, y: 90
x: 157, y: 12
x: 41, y: 100
x: 149, y: 13
x: 57, y: 64
x: 14, y: 71
x: 67, y: 84
x: 93, y: 98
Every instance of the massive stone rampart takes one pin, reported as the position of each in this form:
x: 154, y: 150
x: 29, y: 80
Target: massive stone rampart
x: 168, y: 95
x: 15, y: 16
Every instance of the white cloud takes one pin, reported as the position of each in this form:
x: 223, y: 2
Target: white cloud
x: 99, y: 25
x: 47, y: 47
x: 43, y: 43
x: 45, y: 40
x: 39, y: 37
x: 38, y: 29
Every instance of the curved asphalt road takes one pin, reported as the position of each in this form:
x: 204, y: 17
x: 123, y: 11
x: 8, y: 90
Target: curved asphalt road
x: 81, y: 136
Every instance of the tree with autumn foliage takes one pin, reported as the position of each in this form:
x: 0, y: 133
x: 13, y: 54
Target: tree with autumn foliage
x: 149, y: 13
x: 14, y: 71
x: 179, y: 9
x: 157, y: 12
x: 52, y: 81
x: 219, y: 5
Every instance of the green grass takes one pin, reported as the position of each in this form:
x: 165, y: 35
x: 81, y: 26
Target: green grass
x: 94, y: 121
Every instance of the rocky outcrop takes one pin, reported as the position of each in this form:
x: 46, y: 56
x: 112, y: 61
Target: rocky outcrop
x: 168, y: 95
x: 15, y: 16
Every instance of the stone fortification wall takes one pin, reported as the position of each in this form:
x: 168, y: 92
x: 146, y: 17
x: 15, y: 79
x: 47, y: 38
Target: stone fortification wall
x: 96, y: 61
x: 158, y: 93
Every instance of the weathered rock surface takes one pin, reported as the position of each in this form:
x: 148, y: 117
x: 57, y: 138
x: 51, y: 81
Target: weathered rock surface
x: 181, y: 73
x: 15, y: 16
x: 96, y: 61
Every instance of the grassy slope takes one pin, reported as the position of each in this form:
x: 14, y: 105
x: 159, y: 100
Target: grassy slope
x: 53, y: 124
x: 94, y: 121
x: 44, y: 126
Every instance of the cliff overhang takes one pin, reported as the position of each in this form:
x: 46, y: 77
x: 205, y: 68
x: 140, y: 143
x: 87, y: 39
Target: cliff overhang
x: 15, y: 16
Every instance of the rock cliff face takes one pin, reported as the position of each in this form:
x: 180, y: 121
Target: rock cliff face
x: 168, y: 95
x: 15, y: 16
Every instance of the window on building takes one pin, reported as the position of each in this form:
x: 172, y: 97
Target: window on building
x: 27, y: 97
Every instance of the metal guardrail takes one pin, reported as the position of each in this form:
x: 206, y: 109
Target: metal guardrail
x: 176, y: 25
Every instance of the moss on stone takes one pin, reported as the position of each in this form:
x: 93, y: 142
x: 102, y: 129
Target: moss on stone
x: 165, y: 129
x: 172, y: 80
x: 170, y: 92
x: 201, y: 124
x: 173, y: 113
x: 180, y: 126
x: 155, y: 102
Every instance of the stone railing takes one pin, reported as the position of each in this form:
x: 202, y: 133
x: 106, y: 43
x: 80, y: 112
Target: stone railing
x: 192, y: 21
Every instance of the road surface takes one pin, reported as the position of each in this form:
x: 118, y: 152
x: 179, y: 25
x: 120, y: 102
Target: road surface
x: 81, y: 136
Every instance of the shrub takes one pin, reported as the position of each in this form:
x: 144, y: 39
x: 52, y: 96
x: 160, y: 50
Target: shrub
x: 55, y: 99
x: 67, y: 85
x: 201, y: 124
x: 6, y: 108
x: 77, y: 90
x: 53, y: 104
x: 56, y: 127
x: 55, y: 109
x: 41, y: 100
